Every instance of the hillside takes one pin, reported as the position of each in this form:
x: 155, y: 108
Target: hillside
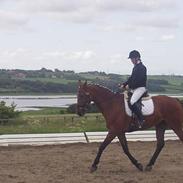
x: 46, y: 81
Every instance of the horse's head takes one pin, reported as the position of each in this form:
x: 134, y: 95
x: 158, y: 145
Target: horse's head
x: 83, y: 98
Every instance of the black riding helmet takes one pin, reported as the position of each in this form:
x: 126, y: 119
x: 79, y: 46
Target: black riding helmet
x: 134, y: 54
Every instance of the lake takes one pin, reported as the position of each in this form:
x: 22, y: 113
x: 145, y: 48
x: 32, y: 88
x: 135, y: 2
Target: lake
x: 25, y: 103
x: 34, y: 102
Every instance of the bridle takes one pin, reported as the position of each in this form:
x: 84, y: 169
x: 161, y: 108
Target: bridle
x: 85, y: 104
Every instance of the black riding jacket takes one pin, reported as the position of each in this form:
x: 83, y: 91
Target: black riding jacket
x: 138, y: 77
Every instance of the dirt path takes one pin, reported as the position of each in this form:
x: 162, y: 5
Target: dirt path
x: 70, y: 164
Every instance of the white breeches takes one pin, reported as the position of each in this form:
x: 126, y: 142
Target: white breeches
x: 137, y: 93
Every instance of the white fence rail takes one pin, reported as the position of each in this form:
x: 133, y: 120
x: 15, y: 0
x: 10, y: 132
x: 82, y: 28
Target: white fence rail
x: 63, y: 138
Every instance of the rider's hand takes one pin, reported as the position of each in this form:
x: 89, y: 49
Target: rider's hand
x: 127, y: 87
x: 121, y: 86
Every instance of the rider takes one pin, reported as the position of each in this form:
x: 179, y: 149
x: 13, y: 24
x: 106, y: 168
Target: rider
x: 137, y: 83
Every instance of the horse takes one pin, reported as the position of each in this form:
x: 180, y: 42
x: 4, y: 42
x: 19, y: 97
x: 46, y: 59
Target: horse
x: 168, y: 113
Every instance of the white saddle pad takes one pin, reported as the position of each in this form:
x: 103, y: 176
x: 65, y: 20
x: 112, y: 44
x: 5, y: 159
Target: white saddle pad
x: 147, y: 108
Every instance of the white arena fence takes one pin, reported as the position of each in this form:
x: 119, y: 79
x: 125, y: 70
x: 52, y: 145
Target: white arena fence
x: 85, y: 137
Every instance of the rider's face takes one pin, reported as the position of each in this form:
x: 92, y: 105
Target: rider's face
x: 134, y: 60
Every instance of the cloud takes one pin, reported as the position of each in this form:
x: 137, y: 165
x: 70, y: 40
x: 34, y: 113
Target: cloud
x: 12, y: 20
x: 140, y: 38
x: 159, y: 21
x: 151, y: 23
x: 34, y: 59
x: 87, y: 11
x: 72, y: 55
x: 134, y: 5
x: 77, y: 60
x: 116, y: 58
x: 14, y: 53
x: 167, y: 37
x: 126, y: 27
x: 84, y: 11
x: 105, y: 5
x: 67, y: 55
x: 51, y: 5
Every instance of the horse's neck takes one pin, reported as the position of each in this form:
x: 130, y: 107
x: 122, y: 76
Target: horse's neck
x: 100, y: 95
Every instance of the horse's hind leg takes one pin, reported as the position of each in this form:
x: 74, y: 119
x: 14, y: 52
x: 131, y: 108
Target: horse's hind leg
x: 177, y: 127
x: 160, y: 131
x: 179, y: 133
x: 123, y: 141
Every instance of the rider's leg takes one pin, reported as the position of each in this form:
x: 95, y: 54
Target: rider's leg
x: 135, y: 97
x: 139, y: 115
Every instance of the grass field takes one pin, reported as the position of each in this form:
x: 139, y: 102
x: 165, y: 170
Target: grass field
x: 52, y: 121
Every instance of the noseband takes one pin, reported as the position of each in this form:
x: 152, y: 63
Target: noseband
x: 84, y: 106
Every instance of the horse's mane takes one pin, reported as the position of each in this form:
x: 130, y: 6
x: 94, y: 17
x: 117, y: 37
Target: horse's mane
x: 102, y: 88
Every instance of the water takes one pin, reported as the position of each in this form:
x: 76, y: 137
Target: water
x: 24, y: 103
x: 34, y: 102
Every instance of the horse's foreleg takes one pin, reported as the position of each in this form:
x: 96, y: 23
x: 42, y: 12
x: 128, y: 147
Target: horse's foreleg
x: 124, y: 144
x: 160, y: 131
x: 104, y: 144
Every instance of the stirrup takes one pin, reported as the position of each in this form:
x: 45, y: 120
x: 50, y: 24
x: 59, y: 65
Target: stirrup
x: 141, y: 124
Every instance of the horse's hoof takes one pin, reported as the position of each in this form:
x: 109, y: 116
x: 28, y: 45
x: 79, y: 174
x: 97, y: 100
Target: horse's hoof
x: 148, y: 168
x: 140, y: 167
x: 93, y: 169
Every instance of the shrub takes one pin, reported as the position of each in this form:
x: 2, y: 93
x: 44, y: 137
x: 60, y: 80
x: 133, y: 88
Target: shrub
x: 72, y: 108
x: 91, y: 108
x: 7, y: 112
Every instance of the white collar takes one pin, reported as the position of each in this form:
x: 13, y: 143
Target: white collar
x: 138, y: 62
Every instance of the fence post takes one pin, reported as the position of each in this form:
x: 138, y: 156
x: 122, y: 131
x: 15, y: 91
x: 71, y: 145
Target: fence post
x: 72, y: 119
x: 87, y: 140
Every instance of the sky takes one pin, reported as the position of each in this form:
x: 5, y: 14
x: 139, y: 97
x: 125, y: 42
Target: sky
x: 91, y: 35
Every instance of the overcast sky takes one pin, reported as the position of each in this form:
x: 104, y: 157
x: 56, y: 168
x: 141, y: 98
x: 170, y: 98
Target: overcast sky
x: 89, y: 35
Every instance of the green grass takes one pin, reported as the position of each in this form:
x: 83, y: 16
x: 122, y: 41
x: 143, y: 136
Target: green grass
x: 53, y: 123
x: 46, y: 111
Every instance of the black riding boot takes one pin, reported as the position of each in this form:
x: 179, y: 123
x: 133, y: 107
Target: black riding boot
x: 139, y: 115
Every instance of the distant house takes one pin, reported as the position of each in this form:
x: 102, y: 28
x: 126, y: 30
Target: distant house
x: 53, y: 76
x: 20, y: 75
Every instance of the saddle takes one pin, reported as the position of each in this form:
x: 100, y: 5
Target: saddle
x: 145, y: 103
x: 145, y: 96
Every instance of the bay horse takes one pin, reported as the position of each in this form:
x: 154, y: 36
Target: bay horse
x: 168, y: 113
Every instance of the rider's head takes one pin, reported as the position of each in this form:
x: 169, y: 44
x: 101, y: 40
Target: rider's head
x: 134, y: 56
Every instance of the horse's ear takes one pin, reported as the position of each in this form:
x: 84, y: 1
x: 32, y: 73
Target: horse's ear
x: 79, y: 82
